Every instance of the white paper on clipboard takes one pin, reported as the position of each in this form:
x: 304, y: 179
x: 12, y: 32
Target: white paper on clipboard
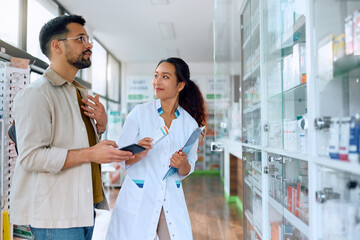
x: 187, y: 147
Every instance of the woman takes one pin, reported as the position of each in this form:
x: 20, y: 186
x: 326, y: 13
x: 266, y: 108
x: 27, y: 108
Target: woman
x: 147, y: 205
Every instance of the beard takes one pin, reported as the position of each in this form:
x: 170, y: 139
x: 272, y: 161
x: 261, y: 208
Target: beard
x: 78, y: 61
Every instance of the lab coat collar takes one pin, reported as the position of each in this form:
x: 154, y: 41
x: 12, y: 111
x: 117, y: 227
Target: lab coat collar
x: 160, y: 110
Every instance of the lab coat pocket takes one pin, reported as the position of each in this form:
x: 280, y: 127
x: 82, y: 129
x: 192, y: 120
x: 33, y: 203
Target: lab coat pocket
x: 131, y: 194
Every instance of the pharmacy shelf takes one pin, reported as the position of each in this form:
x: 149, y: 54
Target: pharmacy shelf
x: 295, y: 155
x: 247, y: 76
x: 296, y: 92
x: 296, y: 222
x: 256, y: 26
x: 257, y: 231
x: 248, y: 182
x: 346, y: 64
x: 233, y: 147
x: 290, y: 37
x: 256, y: 168
x: 296, y: 34
x: 256, y: 66
x: 338, y: 164
x: 257, y: 191
x: 252, y: 108
x: 277, y: 206
x: 248, y: 73
x: 248, y: 145
x: 248, y: 216
x: 246, y: 42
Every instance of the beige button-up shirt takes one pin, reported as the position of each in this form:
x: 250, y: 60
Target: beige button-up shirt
x: 48, y: 124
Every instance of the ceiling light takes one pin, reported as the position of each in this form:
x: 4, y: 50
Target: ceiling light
x: 159, y: 2
x: 167, y: 30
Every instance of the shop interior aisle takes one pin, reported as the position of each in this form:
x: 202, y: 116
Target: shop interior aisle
x: 212, y: 217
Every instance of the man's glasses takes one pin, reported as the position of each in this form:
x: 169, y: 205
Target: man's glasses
x: 84, y: 39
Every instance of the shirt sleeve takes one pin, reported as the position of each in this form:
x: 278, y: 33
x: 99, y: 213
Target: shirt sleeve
x: 129, y: 133
x: 33, y: 125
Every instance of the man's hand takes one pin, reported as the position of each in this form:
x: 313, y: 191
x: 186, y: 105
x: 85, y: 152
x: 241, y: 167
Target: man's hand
x: 95, y: 110
x: 106, y: 152
x: 103, y: 152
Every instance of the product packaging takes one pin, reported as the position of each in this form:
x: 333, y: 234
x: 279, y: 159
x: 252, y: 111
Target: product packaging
x: 325, y: 58
x: 344, y: 139
x: 302, y: 132
x: 159, y: 134
x: 339, y: 47
x: 349, y: 33
x: 334, y: 139
x: 354, y: 142
x: 356, y: 22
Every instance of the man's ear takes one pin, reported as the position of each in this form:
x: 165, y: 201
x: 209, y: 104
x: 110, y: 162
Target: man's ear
x: 181, y: 86
x: 56, y: 47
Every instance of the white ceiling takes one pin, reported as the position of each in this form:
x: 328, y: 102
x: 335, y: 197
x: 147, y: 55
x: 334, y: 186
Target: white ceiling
x: 130, y: 28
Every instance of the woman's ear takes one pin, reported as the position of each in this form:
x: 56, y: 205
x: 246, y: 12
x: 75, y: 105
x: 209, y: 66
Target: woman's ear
x: 181, y: 86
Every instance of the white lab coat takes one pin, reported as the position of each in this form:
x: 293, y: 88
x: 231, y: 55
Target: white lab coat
x: 137, y: 210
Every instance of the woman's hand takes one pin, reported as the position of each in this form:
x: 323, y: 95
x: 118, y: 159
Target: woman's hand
x: 146, y: 143
x: 179, y: 160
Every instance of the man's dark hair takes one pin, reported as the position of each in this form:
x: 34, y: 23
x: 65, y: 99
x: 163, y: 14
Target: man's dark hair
x: 56, y: 28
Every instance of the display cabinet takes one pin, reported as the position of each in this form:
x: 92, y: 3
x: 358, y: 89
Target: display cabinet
x: 287, y: 196
x: 252, y: 193
x: 251, y: 119
x: 300, y: 108
x: 335, y: 60
x: 250, y: 87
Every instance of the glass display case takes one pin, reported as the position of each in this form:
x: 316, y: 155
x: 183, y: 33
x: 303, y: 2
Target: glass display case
x: 336, y: 50
x: 250, y: 89
x: 300, y: 110
x: 288, y: 191
x: 285, y: 74
x: 338, y: 204
x: 252, y: 192
x: 336, y: 62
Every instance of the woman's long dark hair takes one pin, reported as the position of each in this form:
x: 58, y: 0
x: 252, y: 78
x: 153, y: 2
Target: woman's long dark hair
x: 190, y: 98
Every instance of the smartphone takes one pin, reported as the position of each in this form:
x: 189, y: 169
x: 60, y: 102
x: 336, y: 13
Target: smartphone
x: 134, y: 148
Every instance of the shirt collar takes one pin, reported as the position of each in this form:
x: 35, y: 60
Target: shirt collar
x: 160, y: 110
x: 57, y: 80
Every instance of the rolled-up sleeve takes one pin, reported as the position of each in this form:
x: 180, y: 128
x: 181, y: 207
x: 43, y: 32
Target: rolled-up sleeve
x: 33, y: 123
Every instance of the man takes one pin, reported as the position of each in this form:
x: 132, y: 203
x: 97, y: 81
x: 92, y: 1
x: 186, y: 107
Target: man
x: 57, y: 181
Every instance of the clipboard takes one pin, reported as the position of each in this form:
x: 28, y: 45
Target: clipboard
x: 187, y: 147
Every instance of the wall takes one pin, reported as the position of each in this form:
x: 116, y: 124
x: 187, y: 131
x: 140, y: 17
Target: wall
x: 146, y: 71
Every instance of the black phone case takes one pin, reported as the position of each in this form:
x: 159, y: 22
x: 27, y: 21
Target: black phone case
x: 134, y: 148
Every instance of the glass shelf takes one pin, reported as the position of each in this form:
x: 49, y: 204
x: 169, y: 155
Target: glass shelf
x: 346, y: 64
x: 299, y: 91
x: 295, y: 34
